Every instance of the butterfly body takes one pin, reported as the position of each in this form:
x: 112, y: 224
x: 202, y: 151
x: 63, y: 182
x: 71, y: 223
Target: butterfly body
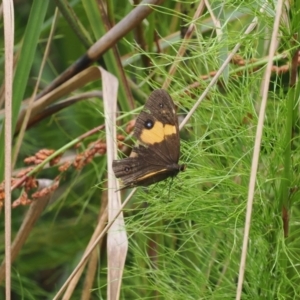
x: 157, y: 154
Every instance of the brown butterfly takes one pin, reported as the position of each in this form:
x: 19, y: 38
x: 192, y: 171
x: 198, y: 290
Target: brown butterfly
x: 157, y: 154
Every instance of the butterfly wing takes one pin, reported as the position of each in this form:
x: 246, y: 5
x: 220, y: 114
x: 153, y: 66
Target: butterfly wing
x: 157, y: 126
x: 144, y: 168
x: 156, y: 157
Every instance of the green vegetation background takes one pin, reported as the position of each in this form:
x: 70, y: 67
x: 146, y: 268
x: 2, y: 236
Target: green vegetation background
x: 195, y: 223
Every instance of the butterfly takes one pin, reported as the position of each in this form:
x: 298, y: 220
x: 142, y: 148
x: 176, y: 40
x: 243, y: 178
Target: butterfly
x: 156, y: 156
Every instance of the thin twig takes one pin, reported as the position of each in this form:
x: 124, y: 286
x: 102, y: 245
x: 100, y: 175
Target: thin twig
x: 183, y: 46
x: 258, y: 137
x: 218, y: 74
x: 86, y: 256
x: 100, y: 226
x: 130, y: 21
x: 8, y: 12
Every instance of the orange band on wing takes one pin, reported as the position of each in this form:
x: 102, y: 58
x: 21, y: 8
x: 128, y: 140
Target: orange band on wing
x: 157, y: 133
